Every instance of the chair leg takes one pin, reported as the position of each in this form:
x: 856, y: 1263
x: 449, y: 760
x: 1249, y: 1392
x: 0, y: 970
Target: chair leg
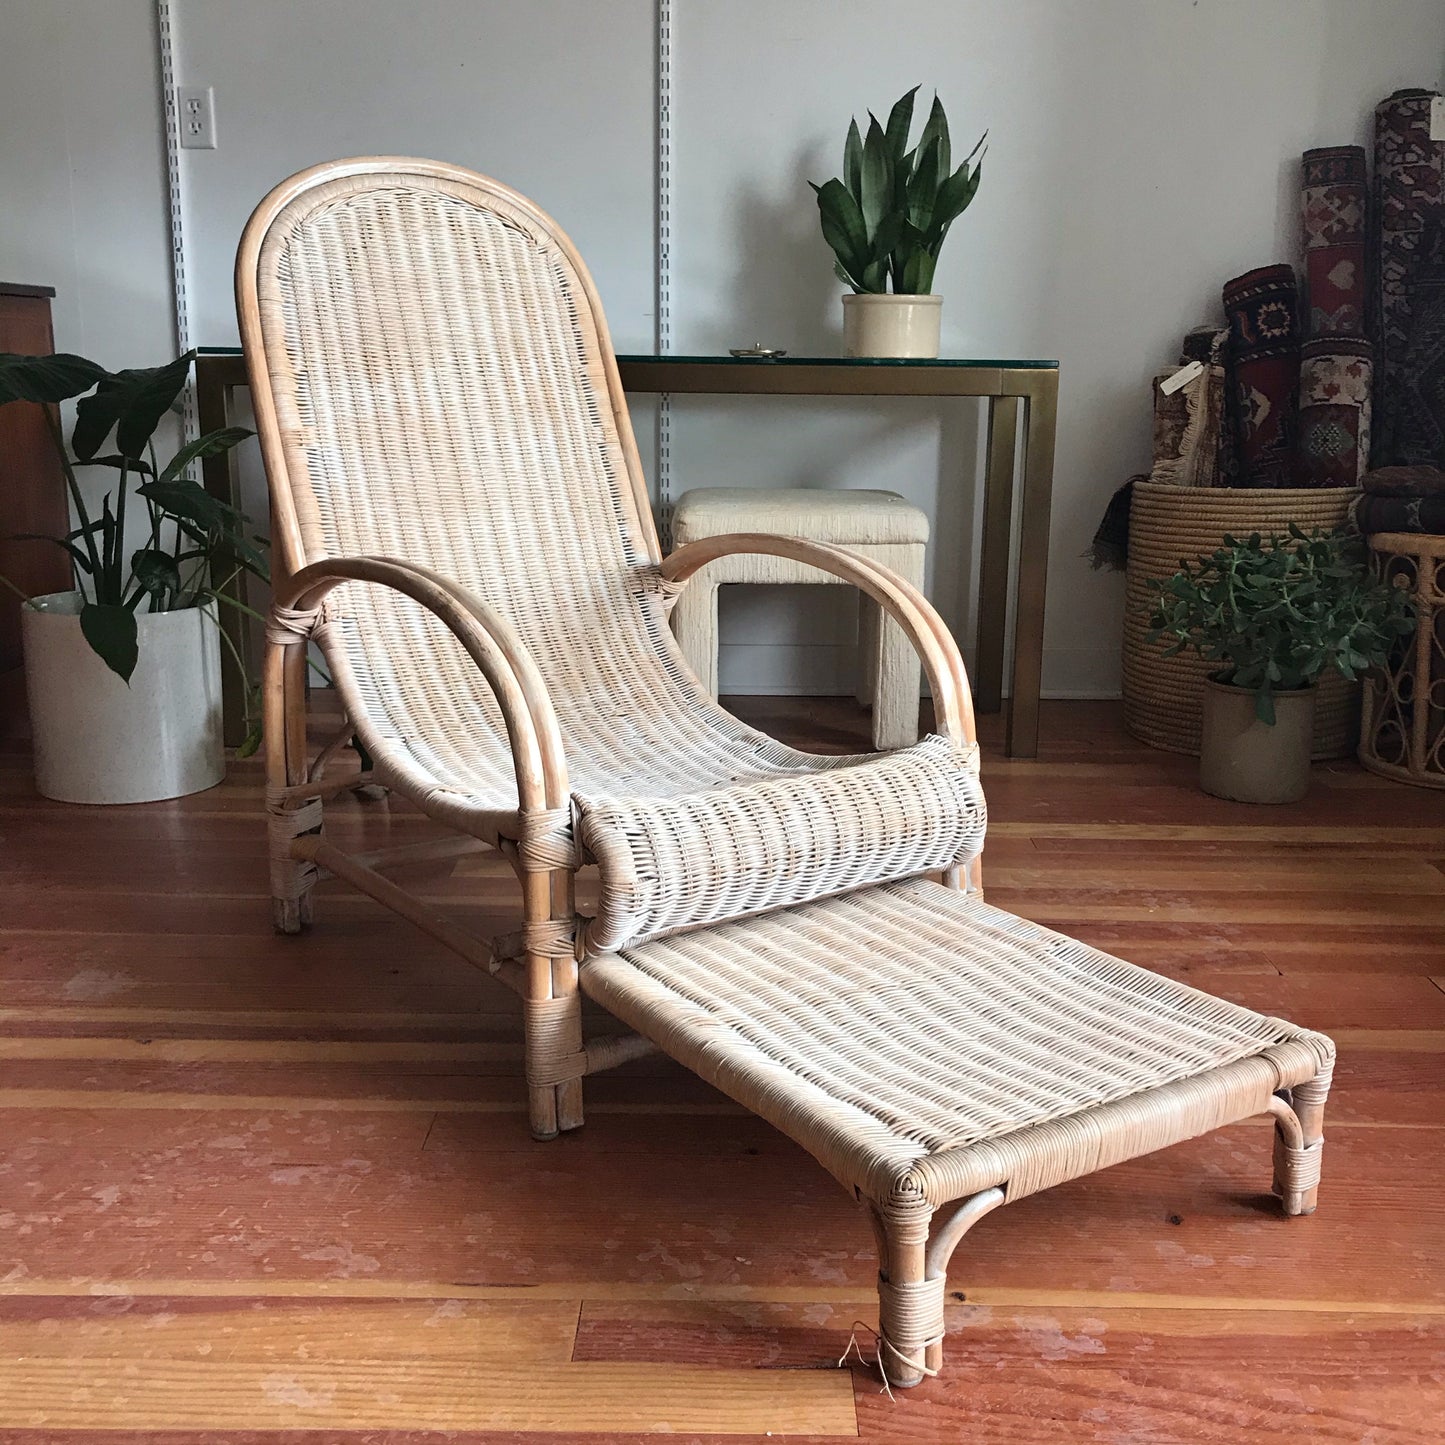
x: 1299, y: 1142
x: 913, y: 1278
x: 553, y: 1022
x: 290, y: 817
x: 910, y: 1305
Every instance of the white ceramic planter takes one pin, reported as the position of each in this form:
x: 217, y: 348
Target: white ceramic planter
x: 891, y: 325
x: 98, y: 740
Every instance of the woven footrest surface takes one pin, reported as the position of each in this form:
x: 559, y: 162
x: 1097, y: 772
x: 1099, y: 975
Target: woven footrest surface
x: 912, y: 1036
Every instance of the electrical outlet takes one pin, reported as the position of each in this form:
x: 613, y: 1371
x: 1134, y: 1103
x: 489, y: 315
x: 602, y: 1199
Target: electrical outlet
x: 196, y: 115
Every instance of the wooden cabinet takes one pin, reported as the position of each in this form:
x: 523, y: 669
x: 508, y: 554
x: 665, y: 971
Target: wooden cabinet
x: 32, y: 494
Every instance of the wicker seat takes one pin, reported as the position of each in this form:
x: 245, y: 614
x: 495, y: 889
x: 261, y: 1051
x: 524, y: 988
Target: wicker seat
x: 460, y: 522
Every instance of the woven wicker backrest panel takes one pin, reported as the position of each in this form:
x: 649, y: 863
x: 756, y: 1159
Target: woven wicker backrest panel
x: 444, y: 400
x: 441, y: 392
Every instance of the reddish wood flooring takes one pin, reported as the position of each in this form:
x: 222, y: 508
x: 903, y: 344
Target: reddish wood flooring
x: 263, y: 1189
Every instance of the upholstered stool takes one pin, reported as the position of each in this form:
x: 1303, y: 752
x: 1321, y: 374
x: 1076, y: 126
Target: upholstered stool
x: 880, y: 525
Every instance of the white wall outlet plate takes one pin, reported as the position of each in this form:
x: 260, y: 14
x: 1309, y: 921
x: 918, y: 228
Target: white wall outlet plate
x: 196, y: 117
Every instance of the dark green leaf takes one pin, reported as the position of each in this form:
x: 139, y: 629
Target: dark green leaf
x: 190, y: 502
x: 157, y: 574
x: 936, y: 129
x: 954, y: 196
x: 853, y: 161
x: 900, y: 121
x: 116, y: 462
x: 923, y: 188
x: 210, y: 445
x: 843, y: 227
x: 76, y: 555
x: 111, y: 632
x: 133, y: 403
x: 876, y: 189
x: 45, y: 378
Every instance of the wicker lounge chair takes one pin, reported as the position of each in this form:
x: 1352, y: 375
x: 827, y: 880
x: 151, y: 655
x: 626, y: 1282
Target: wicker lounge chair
x: 460, y: 521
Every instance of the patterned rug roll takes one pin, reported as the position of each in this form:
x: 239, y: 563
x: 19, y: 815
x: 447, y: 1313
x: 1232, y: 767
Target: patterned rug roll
x: 1409, y: 426
x: 1334, y: 412
x: 1400, y: 514
x: 1264, y: 340
x: 1333, y: 204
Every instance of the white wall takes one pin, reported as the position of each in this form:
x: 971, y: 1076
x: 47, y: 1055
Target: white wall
x: 1141, y: 152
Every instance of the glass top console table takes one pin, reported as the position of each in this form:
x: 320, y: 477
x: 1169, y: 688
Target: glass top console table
x: 1010, y: 386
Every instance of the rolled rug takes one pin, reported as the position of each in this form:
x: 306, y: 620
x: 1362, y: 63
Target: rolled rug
x: 1409, y: 216
x: 1405, y: 482
x: 1420, y: 411
x: 1334, y: 412
x: 1400, y: 514
x: 1264, y: 345
x: 1333, y: 200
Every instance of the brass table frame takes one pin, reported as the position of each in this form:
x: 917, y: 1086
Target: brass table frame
x: 1009, y: 386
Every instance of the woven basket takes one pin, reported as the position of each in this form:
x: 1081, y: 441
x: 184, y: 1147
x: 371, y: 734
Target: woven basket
x: 1167, y: 524
x: 1404, y: 716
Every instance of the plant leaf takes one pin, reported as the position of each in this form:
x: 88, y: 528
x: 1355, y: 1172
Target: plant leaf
x: 843, y: 228
x: 853, y: 161
x: 900, y: 122
x: 117, y: 462
x: 46, y: 378
x: 190, y: 502
x: 923, y: 188
x: 936, y: 129
x: 133, y: 402
x: 76, y: 555
x: 954, y: 196
x: 210, y: 445
x: 877, y: 181
x: 111, y: 632
x: 158, y: 574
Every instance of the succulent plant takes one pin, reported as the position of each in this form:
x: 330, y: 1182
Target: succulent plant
x: 1272, y: 615
x: 887, y: 217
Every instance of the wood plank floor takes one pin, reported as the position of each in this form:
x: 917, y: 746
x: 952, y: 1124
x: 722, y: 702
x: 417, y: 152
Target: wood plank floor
x: 281, y: 1190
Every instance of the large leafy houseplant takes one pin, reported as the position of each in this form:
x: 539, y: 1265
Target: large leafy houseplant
x: 1275, y: 614
x: 887, y: 216
x: 192, y: 546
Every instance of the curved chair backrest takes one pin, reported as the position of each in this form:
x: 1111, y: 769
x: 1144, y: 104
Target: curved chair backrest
x: 433, y: 380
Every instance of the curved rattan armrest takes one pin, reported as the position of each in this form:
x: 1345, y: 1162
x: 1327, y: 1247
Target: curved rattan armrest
x: 490, y: 641
x: 914, y: 613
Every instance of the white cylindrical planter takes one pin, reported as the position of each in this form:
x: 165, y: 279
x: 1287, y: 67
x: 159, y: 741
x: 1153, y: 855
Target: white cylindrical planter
x: 875, y: 325
x: 1249, y: 761
x: 98, y: 740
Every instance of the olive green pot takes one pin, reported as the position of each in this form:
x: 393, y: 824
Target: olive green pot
x: 1249, y: 761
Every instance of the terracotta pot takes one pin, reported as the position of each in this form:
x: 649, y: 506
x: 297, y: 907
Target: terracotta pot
x: 891, y: 325
x: 1253, y: 762
x: 98, y: 740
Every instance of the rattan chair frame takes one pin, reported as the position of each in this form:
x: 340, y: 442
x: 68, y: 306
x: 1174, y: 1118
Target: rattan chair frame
x: 916, y: 1234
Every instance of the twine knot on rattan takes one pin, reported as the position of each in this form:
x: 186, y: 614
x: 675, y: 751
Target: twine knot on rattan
x: 667, y: 588
x: 1302, y: 1166
x: 548, y: 840
x: 291, y: 877
x: 286, y: 625
x: 541, y: 938
x: 554, y: 1042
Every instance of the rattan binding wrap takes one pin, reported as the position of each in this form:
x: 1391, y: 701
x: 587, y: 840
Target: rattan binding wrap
x: 1162, y: 695
x: 1402, y: 733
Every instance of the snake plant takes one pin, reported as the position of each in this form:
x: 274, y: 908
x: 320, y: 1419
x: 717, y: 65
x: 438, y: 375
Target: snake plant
x: 887, y: 216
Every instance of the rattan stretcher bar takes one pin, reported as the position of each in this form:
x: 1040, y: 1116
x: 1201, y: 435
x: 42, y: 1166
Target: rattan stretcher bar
x: 459, y: 521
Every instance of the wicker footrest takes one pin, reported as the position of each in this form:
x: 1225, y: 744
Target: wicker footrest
x: 918, y: 1041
